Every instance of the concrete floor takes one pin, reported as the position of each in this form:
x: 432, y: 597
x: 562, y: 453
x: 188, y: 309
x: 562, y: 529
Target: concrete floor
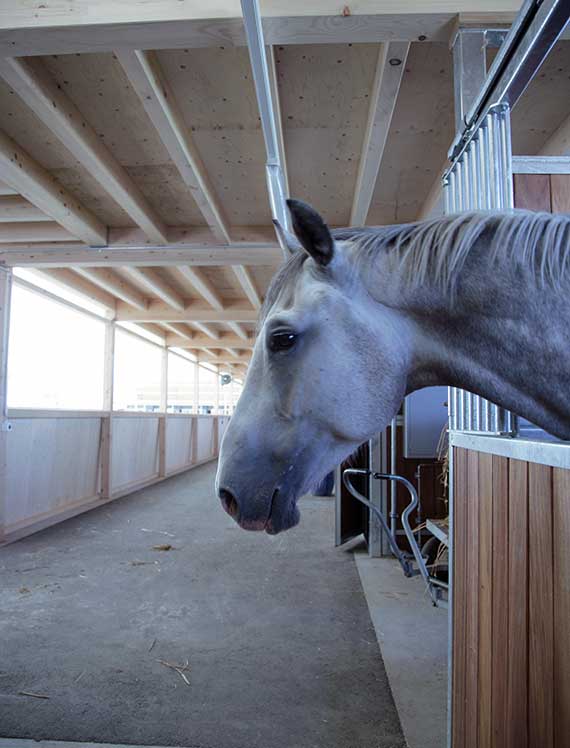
x: 413, y: 639
x: 276, y: 631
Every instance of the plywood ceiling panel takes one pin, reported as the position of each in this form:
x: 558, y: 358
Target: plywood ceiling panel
x: 21, y: 124
x: 215, y: 92
x: 421, y: 133
x: 324, y: 91
x: 99, y: 88
x: 544, y: 105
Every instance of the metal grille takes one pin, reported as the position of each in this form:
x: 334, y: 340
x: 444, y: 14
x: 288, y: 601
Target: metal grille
x: 481, y: 179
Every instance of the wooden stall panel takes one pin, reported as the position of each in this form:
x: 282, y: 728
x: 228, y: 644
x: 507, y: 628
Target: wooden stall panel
x: 205, y: 444
x: 561, y: 596
x: 179, y: 433
x: 485, y: 592
x: 540, y: 607
x: 134, y: 450
x: 52, y: 464
x: 459, y: 595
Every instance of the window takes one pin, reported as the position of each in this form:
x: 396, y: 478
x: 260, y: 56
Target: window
x: 137, y: 374
x: 181, y: 387
x: 56, y: 355
x: 207, y: 389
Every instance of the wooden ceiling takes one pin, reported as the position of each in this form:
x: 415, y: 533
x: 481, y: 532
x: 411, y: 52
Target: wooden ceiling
x: 132, y: 161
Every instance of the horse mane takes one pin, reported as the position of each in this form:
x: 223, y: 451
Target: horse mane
x: 436, y: 250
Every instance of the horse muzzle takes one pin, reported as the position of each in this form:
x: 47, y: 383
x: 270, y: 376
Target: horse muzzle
x: 274, y: 516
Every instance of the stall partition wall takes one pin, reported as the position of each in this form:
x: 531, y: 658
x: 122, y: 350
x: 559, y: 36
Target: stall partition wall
x: 63, y: 463
x: 511, y: 630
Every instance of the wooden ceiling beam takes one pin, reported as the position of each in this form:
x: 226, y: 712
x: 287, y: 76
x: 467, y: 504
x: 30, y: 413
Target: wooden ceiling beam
x: 84, y: 26
x: 29, y: 79
x: 246, y: 282
x: 158, y: 311
x: 209, y: 332
x: 387, y: 81
x: 5, y: 189
x: 239, y: 331
x: 150, y: 279
x: 60, y: 255
x: 115, y: 285
x: 202, y: 286
x: 38, y: 186
x: 224, y: 359
x: 156, y: 95
x: 178, y: 332
x: 14, y: 208
x: 434, y: 195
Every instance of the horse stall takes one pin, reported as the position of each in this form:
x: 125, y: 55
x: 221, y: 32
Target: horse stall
x: 147, y: 155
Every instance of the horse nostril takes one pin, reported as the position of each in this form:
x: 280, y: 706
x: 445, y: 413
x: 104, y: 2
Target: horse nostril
x: 229, y: 503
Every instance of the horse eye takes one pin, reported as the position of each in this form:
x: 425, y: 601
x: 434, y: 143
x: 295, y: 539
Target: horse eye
x: 281, y: 341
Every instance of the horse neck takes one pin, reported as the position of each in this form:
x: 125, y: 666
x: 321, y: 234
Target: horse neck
x: 498, y: 333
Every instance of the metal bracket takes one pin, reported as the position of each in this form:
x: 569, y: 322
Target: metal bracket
x: 6, y: 426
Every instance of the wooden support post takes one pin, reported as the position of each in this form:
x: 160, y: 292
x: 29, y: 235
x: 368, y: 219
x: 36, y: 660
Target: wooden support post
x: 164, y: 414
x: 216, y: 437
x: 196, y: 386
x: 106, y: 441
x: 5, y: 293
x: 217, y: 400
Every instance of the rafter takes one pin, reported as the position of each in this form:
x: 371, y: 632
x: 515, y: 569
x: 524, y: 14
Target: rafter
x: 38, y: 186
x: 385, y: 91
x: 5, y: 189
x: 32, y: 83
x: 35, y: 232
x: 238, y: 329
x: 246, y: 282
x: 151, y: 279
x: 434, y: 195
x: 558, y: 144
x: 207, y: 331
x: 87, y: 26
x: 181, y: 333
x: 113, y: 284
x: 158, y: 311
x: 202, y: 286
x: 156, y: 95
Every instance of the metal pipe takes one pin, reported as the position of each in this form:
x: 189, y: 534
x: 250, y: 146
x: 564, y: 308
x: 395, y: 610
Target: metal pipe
x: 393, y: 486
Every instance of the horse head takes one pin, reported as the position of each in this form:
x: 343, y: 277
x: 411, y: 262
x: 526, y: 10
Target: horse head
x: 328, y: 370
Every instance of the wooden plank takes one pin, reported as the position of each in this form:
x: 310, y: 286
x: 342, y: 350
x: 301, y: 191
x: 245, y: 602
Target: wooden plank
x: 207, y: 331
x: 500, y: 594
x: 32, y: 83
x: 105, y: 455
x: 67, y: 279
x: 472, y: 603
x: 517, y: 711
x: 247, y: 283
x: 5, y: 189
x: 25, y: 233
x: 485, y: 599
x: 459, y: 596
x: 532, y: 191
x: 38, y: 186
x: 205, y: 341
x: 560, y: 192
x: 238, y: 329
x: 145, y: 75
x: 561, y: 596
x: 5, y: 296
x: 385, y: 89
x: 540, y: 608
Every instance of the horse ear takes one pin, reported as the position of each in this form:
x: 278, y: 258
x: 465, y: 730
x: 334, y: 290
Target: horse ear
x: 312, y: 231
x: 287, y: 240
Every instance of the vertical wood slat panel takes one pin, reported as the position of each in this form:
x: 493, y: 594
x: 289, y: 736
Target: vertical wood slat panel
x: 540, y: 608
x: 517, y: 713
x: 500, y: 595
x: 560, y: 193
x: 561, y: 596
x: 485, y: 598
x: 459, y: 588
x: 472, y: 602
x: 532, y: 191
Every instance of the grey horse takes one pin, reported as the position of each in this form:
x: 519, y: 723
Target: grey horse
x: 358, y: 318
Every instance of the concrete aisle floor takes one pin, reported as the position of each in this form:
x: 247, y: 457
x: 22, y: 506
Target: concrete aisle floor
x: 276, y: 631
